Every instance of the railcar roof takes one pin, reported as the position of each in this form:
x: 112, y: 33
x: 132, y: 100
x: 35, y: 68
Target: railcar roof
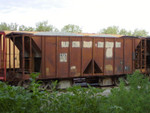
x: 75, y: 34
x: 101, y: 35
x: 55, y: 34
x: 8, y: 33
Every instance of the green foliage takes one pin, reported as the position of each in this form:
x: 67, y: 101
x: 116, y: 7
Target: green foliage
x: 76, y: 100
x: 5, y: 26
x: 71, y: 28
x: 110, y: 30
x: 34, y: 86
x: 131, y: 99
x: 24, y: 28
x: 43, y: 26
x: 13, y: 26
x: 134, y: 98
x: 54, y: 85
x: 138, y: 32
x: 125, y: 32
x: 116, y: 30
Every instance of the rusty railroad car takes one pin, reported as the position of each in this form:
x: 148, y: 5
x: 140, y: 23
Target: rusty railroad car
x: 62, y: 56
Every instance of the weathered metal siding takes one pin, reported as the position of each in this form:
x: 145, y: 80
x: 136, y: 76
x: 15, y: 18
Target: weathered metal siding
x: 63, y: 57
x: 50, y: 59
x: 109, y: 55
x: 118, y: 56
x: 76, y: 56
x: 128, y: 52
x: 38, y: 41
x: 99, y: 54
x: 87, y: 51
x: 67, y: 56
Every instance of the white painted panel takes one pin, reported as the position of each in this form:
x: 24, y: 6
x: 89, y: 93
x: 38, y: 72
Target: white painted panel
x: 65, y: 44
x: 118, y: 44
x: 75, y: 44
x: 63, y: 57
x: 87, y: 44
x: 100, y: 44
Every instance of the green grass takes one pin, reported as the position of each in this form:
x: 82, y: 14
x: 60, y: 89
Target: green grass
x: 134, y: 98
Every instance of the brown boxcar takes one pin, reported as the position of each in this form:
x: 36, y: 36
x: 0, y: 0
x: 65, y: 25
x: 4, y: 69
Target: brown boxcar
x: 66, y: 56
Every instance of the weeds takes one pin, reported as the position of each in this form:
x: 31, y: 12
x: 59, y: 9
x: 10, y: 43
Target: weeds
x: 134, y: 98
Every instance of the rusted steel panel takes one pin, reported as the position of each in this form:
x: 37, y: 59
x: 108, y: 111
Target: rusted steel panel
x: 87, y: 56
x: 50, y: 56
x: 109, y: 54
x: 75, y: 57
x: 30, y: 57
x: 37, y: 40
x: 128, y: 55
x: 23, y: 59
x: 1, y: 58
x: 98, y: 56
x: 118, y: 56
x: 14, y: 53
x: 63, y: 49
x: 43, y: 58
x: 136, y: 42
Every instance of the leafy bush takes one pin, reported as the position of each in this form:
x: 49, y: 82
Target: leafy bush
x: 18, y: 100
x: 134, y: 98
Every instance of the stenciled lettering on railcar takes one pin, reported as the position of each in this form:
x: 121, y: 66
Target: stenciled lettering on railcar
x: 87, y: 44
x: 75, y: 44
x: 100, y: 44
x: 63, y: 57
x: 64, y: 44
x: 118, y: 44
x: 109, y: 49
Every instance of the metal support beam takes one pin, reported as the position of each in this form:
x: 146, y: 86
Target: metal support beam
x: 30, y: 59
x: 4, y: 56
x: 23, y: 61
x: 13, y: 54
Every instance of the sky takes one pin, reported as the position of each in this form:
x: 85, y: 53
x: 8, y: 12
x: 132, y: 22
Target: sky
x: 90, y: 15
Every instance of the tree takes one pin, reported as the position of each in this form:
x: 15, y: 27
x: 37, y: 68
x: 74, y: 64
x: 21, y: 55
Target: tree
x: 125, y: 32
x: 71, y: 28
x: 116, y: 30
x: 110, y: 30
x: 24, y: 28
x: 43, y: 26
x: 5, y: 26
x: 13, y: 26
x: 142, y: 33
